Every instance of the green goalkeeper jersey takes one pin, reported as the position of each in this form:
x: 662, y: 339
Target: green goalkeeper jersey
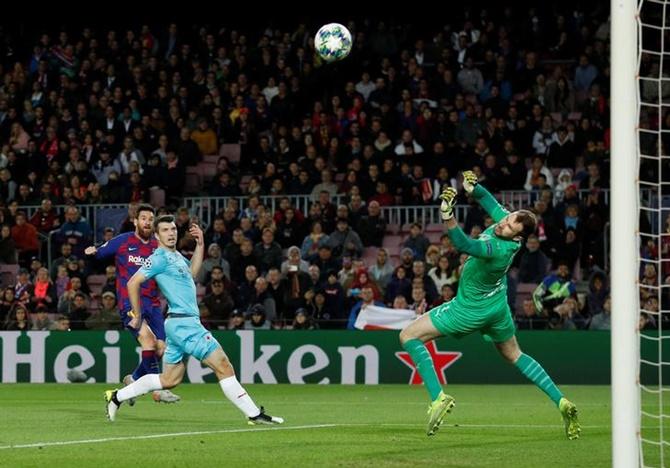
x: 484, y: 276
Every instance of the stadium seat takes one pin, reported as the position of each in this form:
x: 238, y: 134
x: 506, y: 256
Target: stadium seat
x: 434, y: 237
x: 157, y: 197
x: 8, y: 274
x: 391, y: 241
x: 392, y: 228
x: 193, y: 180
x: 211, y: 158
x: 206, y: 170
x: 95, y: 283
x: 231, y: 151
x: 435, y: 227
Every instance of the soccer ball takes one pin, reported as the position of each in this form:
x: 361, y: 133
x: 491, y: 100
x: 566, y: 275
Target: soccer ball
x: 333, y: 42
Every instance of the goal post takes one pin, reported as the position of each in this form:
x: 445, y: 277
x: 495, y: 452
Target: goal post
x: 624, y: 234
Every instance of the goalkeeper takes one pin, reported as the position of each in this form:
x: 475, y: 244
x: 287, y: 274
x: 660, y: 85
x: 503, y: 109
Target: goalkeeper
x: 481, y: 304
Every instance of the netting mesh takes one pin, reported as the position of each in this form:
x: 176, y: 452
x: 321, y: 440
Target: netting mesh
x: 654, y: 227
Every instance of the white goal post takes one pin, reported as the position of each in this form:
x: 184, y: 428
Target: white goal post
x: 624, y: 233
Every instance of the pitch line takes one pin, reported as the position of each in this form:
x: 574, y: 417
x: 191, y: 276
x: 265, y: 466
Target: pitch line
x: 161, y: 436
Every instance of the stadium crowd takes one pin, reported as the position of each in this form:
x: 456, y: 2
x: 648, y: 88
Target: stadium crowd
x: 106, y: 115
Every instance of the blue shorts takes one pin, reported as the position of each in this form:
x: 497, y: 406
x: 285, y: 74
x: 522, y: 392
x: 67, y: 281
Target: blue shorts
x: 186, y: 335
x: 154, y: 318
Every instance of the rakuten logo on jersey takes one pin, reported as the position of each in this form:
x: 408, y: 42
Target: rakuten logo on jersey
x: 137, y: 260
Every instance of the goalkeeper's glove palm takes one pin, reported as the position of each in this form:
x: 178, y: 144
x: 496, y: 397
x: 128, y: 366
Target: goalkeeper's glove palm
x: 469, y: 181
x: 448, y: 201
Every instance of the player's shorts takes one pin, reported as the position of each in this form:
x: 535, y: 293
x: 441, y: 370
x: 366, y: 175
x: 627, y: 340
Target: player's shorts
x: 186, y: 335
x: 153, y: 316
x: 458, y: 320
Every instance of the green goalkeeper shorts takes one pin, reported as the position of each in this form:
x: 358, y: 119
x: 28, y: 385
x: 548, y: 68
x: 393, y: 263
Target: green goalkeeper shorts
x: 493, y: 320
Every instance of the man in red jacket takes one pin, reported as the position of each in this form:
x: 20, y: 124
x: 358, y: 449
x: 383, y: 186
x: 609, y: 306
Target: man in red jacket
x: 25, y: 238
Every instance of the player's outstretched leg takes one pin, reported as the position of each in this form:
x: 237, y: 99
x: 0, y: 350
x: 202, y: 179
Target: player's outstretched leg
x: 145, y: 384
x: 412, y: 339
x: 534, y: 372
x: 219, y: 363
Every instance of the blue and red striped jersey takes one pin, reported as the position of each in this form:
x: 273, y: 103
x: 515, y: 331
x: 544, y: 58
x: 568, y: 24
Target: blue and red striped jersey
x: 130, y: 254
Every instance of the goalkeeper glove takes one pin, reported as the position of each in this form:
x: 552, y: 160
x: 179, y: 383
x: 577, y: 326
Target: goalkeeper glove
x: 448, y: 201
x: 469, y: 181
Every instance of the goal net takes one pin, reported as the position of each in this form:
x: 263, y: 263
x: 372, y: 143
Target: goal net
x: 653, y: 241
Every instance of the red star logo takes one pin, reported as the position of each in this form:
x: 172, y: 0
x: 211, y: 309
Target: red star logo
x: 441, y: 359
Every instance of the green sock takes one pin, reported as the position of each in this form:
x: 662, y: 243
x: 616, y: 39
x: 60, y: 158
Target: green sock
x: 536, y: 374
x: 424, y: 364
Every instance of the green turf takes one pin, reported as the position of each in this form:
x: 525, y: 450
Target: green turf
x: 493, y: 426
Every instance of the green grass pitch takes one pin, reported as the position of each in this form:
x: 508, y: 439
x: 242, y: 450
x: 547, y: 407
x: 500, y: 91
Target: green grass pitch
x: 50, y: 425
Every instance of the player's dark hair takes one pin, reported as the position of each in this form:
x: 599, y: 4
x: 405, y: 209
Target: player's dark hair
x: 163, y: 219
x: 529, y: 222
x: 145, y: 207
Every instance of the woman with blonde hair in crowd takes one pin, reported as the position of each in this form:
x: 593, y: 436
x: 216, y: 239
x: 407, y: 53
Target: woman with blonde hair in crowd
x: 44, y: 290
x: 432, y: 256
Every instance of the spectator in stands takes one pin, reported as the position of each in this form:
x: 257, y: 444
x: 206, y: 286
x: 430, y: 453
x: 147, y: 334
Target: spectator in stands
x: 345, y: 241
x: 105, y: 318
x: 432, y: 256
x: 7, y: 302
x: 441, y: 274
x: 257, y: 319
x: 216, y: 233
x: 263, y: 297
x: 363, y: 280
x: 289, y: 229
x: 419, y: 300
x: 23, y: 287
x: 246, y: 288
x: 537, y: 172
x: 419, y: 273
x: 303, y: 321
x: 325, y: 262
x: 447, y: 293
x: 365, y: 298
x: 19, y: 319
x: 25, y: 238
x: 205, y: 138
x: 78, y: 311
x: 219, y: 303
x: 293, y: 259
x: 237, y: 321
x: 554, y: 289
x: 75, y: 231
x: 8, y: 253
x: 44, y: 291
x: 534, y: 263
x: 45, y: 219
x: 602, y: 320
x: 371, y: 227
x: 326, y: 185
x: 382, y: 270
x: 417, y: 241
x: 213, y: 259
x: 315, y: 239
x: 597, y: 294
x: 529, y: 319
x: 297, y: 284
x: 564, y: 316
x: 41, y: 320
x: 110, y: 279
x: 268, y: 251
x: 568, y: 248
x: 247, y: 258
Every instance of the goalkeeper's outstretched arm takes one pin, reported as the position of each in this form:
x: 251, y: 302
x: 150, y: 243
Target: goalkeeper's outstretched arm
x: 483, y: 196
x: 476, y: 248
